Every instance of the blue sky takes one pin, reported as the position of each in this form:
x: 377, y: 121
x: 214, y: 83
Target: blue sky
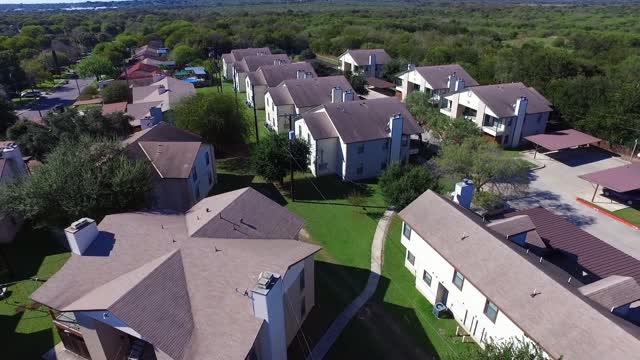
x: 43, y: 1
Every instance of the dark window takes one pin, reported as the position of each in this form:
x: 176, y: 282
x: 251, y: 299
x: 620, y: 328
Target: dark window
x: 426, y: 277
x: 458, y: 279
x: 405, y: 140
x: 411, y: 258
x: 360, y: 148
x: 197, y: 192
x: 406, y: 231
x: 491, y: 310
x: 210, y: 179
x: 206, y: 157
x: 416, y: 87
x: 303, y: 308
x: 194, y: 175
x: 386, y: 144
x: 360, y: 169
x: 302, y: 280
x: 506, y: 140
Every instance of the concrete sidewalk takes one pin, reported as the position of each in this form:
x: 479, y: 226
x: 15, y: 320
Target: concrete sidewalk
x: 331, y: 335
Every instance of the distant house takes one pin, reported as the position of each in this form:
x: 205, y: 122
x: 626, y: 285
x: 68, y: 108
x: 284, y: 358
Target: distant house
x: 228, y: 60
x: 140, y: 71
x: 506, y: 113
x: 435, y: 81
x: 151, y: 102
x: 12, y: 168
x: 158, y: 63
x: 226, y: 280
x: 184, y: 166
x: 271, y: 75
x: 368, y: 61
x: 357, y: 139
x: 300, y: 95
x: 497, y: 291
x: 250, y: 64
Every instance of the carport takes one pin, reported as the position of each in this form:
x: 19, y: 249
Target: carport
x: 621, y: 178
x: 559, y: 140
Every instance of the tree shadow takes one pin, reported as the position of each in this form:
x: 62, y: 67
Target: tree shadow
x: 580, y: 156
x: 378, y: 331
x: 229, y: 182
x: 552, y: 202
x: 329, y: 187
x: 24, y: 345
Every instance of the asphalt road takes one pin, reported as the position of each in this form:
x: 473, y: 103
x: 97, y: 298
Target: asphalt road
x: 65, y: 95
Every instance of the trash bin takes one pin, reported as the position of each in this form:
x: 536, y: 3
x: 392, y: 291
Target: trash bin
x: 440, y: 310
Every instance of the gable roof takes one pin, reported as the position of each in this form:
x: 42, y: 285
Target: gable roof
x: 612, y: 291
x: 304, y: 93
x: 438, y: 75
x: 114, y: 107
x: 239, y: 54
x: 243, y: 213
x: 272, y: 75
x: 174, y: 91
x: 361, y: 56
x: 140, y: 70
x: 141, y: 109
x: 501, y: 98
x: 172, y: 160
x: 183, y: 294
x: 362, y: 120
x: 253, y: 62
x: 162, y: 132
x: 562, y: 322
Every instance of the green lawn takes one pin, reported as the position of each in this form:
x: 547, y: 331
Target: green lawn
x: 27, y: 329
x: 328, y: 59
x: 22, y: 103
x: 630, y: 214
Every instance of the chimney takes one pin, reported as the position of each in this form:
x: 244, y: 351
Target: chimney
x: 395, y: 132
x: 12, y: 151
x: 81, y: 234
x: 155, y: 116
x: 411, y: 67
x: 372, y: 59
x: 451, y: 82
x: 347, y: 96
x: 459, y: 85
x: 308, y: 75
x: 521, y: 106
x: 336, y: 94
x: 463, y: 194
x: 300, y: 74
x: 161, y: 89
x: 521, y: 114
x: 268, y: 304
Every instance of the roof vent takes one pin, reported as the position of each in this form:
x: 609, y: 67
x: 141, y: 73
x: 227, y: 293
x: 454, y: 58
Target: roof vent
x: 77, y: 225
x: 266, y: 280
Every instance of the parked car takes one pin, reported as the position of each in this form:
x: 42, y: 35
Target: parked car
x: 631, y: 198
x: 58, y: 108
x: 31, y: 94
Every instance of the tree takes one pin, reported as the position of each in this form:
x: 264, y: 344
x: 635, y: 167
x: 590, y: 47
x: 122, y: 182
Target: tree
x: 12, y: 76
x: 271, y: 157
x: 393, y: 68
x: 358, y: 83
x: 214, y: 116
x: 401, y: 185
x: 84, y: 177
x: 7, y: 116
x: 116, y: 91
x: 95, y: 65
x: 34, y: 139
x: 36, y: 73
x: 183, y: 55
x: 508, y: 350
x: 485, y: 163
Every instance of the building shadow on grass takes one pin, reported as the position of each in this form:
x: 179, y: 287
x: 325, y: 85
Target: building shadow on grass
x: 18, y: 345
x: 378, y: 331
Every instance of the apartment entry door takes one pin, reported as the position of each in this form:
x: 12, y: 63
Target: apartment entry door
x: 442, y: 295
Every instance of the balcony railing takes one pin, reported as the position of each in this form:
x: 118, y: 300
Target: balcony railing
x: 493, y: 130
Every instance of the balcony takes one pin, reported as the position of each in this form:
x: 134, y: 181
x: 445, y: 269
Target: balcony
x: 414, y: 146
x: 493, y: 130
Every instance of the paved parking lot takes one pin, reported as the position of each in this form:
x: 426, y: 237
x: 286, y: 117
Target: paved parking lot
x: 557, y: 185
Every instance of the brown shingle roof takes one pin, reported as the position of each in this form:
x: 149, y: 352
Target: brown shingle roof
x: 239, y: 54
x: 244, y: 214
x: 501, y: 98
x: 513, y: 226
x: 172, y: 160
x: 621, y: 178
x: 612, y: 291
x: 272, y: 75
x: 183, y: 294
x: 252, y: 63
x: 361, y: 56
x: 364, y: 120
x: 162, y: 132
x: 438, y: 75
x: 559, y: 320
x: 562, y: 139
x: 114, y: 107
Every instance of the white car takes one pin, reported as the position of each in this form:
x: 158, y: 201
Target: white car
x: 31, y: 94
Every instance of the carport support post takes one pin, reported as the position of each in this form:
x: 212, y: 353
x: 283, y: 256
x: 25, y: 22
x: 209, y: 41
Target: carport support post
x: 595, y: 192
x: 536, y: 151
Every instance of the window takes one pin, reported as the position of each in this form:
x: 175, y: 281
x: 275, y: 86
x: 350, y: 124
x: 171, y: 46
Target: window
x: 491, y: 310
x: 458, y: 279
x: 411, y: 258
x: 210, y: 178
x: 426, y: 277
x: 405, y: 140
x: 416, y: 87
x: 206, y: 157
x: 406, y: 231
x: 303, y: 307
x: 383, y: 165
x: 385, y: 146
x: 506, y: 140
x: 302, y: 280
x: 194, y: 175
x: 308, y: 138
x: 360, y: 169
x: 360, y: 148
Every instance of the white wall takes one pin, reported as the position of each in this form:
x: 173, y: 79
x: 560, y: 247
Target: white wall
x: 203, y: 170
x: 227, y: 70
x: 467, y: 305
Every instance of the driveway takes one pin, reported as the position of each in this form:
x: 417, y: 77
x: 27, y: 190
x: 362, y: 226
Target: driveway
x: 65, y: 95
x: 557, y: 185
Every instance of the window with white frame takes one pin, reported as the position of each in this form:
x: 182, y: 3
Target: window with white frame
x: 458, y: 279
x: 491, y: 311
x: 426, y: 277
x: 406, y: 231
x: 411, y: 258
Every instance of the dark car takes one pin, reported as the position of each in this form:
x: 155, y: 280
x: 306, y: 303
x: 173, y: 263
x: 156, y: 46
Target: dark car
x: 58, y: 108
x: 631, y: 198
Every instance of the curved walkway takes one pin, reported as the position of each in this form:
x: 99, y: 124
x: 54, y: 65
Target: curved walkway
x: 331, y: 335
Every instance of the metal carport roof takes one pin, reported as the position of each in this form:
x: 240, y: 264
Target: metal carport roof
x: 562, y: 139
x: 621, y: 178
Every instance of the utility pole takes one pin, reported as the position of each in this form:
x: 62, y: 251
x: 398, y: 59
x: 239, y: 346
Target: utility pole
x: 292, y: 137
x: 635, y: 145
x: 255, y: 111
x: 33, y: 91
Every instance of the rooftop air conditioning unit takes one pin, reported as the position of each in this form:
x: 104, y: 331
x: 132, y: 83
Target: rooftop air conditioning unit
x: 266, y: 280
x: 77, y: 225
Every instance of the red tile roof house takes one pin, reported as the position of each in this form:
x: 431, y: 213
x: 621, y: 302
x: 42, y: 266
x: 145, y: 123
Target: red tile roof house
x: 184, y: 169
x: 357, y: 139
x: 225, y: 280
x: 140, y: 71
x: 496, y: 290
